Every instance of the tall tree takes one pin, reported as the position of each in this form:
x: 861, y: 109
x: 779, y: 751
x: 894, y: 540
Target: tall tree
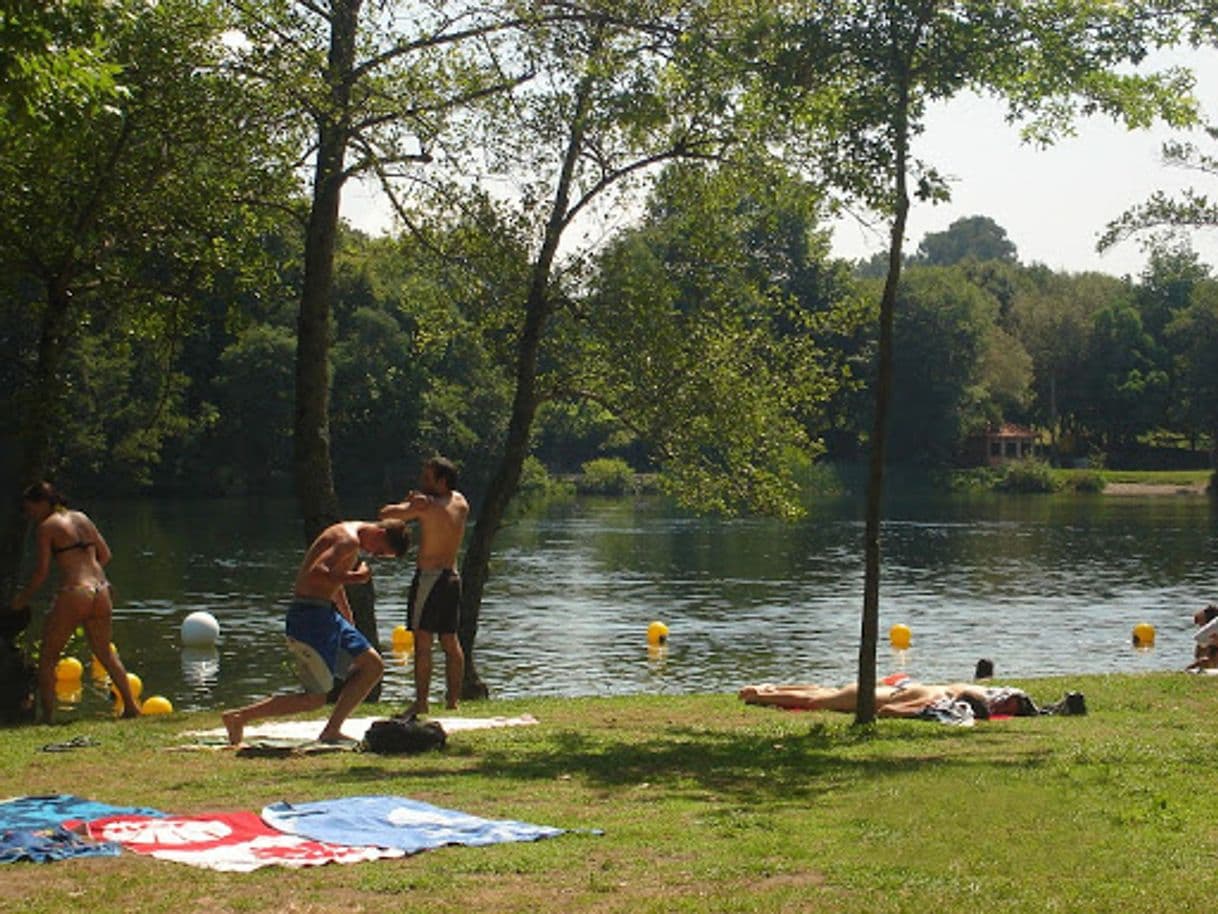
x: 711, y: 333
x: 607, y: 102
x: 116, y: 209
x: 1194, y: 332
x: 371, y: 89
x: 972, y: 237
x: 886, y: 61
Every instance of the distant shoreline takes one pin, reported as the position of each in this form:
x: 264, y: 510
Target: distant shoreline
x: 1154, y: 488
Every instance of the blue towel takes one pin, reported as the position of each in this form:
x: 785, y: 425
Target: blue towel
x: 44, y: 846
x: 34, y: 813
x: 395, y: 822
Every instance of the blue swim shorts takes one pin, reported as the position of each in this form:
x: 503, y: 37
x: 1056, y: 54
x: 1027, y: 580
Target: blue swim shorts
x: 322, y: 643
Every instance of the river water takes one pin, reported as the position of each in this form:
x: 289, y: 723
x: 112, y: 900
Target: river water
x: 1041, y: 584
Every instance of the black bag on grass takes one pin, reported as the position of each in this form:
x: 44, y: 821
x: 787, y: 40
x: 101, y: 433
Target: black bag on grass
x: 397, y: 736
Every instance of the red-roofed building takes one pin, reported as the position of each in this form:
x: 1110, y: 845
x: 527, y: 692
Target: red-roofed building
x: 1006, y: 443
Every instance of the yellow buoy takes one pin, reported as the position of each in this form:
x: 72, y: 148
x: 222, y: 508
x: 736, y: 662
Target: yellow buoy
x: 1143, y: 635
x: 69, y: 669
x: 899, y: 636
x: 657, y: 633
x: 137, y: 686
x: 68, y: 691
x: 403, y: 639
x: 157, y: 704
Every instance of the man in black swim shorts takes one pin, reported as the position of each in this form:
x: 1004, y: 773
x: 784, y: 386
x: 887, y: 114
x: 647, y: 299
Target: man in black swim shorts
x: 435, y: 593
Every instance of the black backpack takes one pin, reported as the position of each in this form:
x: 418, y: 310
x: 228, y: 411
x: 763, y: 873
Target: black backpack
x: 397, y: 736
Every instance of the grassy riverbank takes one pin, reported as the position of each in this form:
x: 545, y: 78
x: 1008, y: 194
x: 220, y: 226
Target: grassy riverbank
x: 705, y: 805
x: 1033, y: 477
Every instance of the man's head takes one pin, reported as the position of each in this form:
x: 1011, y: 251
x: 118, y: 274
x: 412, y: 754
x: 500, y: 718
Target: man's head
x: 439, y: 476
x: 1208, y: 614
x: 386, y: 537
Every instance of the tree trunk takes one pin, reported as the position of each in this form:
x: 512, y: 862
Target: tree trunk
x: 313, y: 470
x: 30, y: 458
x: 865, y: 711
x: 476, y: 567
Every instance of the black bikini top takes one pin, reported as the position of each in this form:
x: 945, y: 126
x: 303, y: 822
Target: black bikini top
x: 79, y: 544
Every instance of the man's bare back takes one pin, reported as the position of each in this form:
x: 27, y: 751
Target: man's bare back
x: 331, y: 562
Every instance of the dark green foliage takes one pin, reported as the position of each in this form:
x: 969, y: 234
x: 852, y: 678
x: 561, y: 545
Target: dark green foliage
x: 1027, y: 476
x: 977, y: 238
x: 1088, y: 482
x: 606, y: 476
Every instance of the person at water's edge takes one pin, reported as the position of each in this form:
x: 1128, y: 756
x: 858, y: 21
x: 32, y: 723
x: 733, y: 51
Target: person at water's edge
x: 320, y: 635
x: 434, y: 606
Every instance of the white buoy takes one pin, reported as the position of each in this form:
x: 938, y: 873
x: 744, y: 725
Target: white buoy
x: 200, y: 629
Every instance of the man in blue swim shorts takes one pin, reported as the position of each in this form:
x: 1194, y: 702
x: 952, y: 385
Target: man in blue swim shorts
x: 321, y: 637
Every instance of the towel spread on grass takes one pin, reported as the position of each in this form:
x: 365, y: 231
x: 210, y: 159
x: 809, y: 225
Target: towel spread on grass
x: 235, y: 842
x: 31, y: 828
x: 47, y: 812
x: 307, y: 730
x: 389, y: 821
x: 47, y: 845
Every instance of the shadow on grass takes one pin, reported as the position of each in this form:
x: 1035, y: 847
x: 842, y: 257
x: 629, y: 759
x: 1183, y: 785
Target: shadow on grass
x: 790, y: 765
x: 727, y: 762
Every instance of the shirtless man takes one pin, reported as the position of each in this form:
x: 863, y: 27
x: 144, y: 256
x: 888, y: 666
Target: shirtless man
x: 434, y: 605
x: 321, y: 637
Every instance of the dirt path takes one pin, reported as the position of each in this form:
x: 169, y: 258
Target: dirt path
x: 1151, y: 488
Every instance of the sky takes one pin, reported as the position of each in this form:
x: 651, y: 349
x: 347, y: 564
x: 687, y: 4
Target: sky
x: 1054, y: 203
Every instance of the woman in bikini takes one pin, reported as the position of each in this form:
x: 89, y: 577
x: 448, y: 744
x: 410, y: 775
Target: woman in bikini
x: 83, y: 598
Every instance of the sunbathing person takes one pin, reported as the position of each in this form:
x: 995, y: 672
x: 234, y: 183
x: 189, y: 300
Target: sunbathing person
x: 899, y: 697
x: 1205, y: 653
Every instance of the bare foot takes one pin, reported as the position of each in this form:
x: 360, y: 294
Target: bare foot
x: 451, y: 704
x: 336, y: 736
x: 235, y: 727
x: 131, y: 711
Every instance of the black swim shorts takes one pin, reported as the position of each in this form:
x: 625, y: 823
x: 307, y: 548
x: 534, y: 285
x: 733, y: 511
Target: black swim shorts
x: 435, y: 601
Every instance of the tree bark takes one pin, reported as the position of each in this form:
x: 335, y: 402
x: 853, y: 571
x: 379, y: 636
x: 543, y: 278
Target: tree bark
x: 538, y: 307
x: 43, y: 408
x: 865, y: 711
x: 475, y: 568
x: 314, y: 473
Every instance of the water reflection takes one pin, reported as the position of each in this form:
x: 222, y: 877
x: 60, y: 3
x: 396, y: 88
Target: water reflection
x: 200, y: 672
x: 1043, y: 585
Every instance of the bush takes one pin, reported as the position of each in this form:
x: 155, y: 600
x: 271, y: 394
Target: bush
x: 607, y: 476
x: 1088, y: 482
x: 536, y: 484
x: 1027, y: 476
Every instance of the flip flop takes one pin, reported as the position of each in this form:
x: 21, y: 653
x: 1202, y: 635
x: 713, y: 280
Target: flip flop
x: 76, y: 742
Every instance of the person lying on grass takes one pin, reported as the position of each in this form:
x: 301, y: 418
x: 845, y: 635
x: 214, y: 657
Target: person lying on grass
x: 899, y: 696
x: 1205, y: 653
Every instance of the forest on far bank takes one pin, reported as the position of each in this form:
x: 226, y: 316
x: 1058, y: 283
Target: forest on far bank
x: 612, y: 242
x: 1117, y: 371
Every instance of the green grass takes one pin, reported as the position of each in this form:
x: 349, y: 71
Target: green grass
x: 1153, y: 477
x: 705, y: 805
